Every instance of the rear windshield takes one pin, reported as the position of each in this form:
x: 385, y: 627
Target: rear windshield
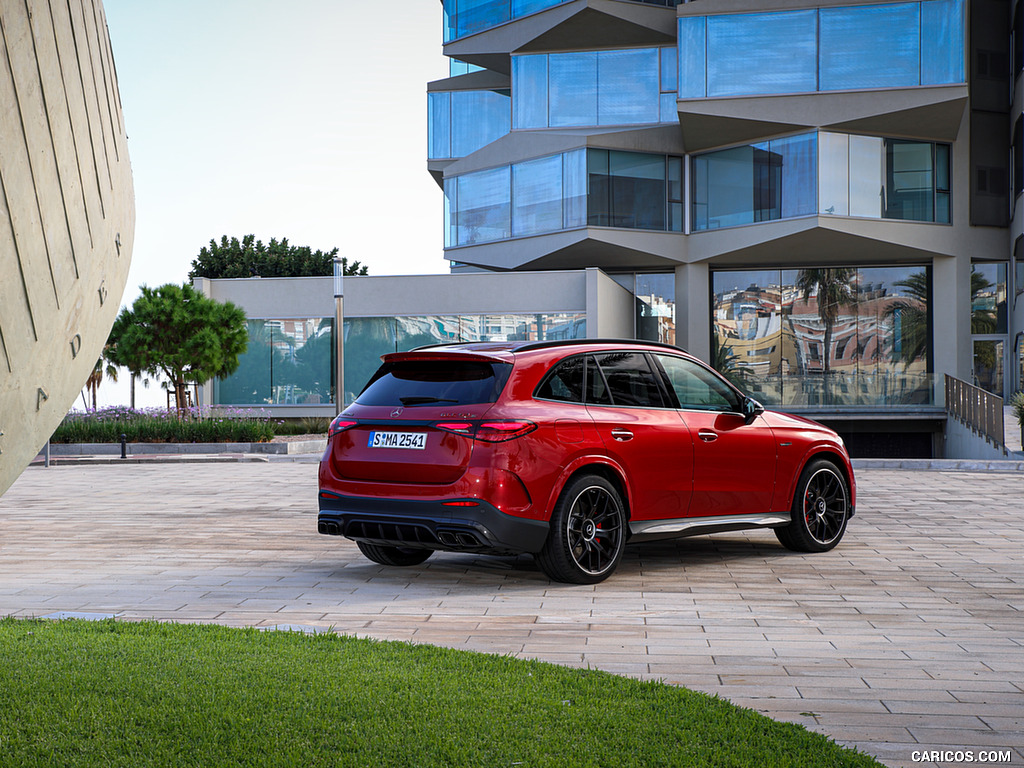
x: 435, y: 382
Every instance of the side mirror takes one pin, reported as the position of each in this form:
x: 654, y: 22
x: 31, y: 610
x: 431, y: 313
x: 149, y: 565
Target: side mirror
x: 751, y: 409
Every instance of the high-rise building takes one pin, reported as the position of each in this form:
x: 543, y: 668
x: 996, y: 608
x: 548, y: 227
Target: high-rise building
x: 819, y: 198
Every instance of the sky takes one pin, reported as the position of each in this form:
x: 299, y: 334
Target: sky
x: 303, y: 119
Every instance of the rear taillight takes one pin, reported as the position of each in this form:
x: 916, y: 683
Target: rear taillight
x: 340, y: 424
x: 488, y: 431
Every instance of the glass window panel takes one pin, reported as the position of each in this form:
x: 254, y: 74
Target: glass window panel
x: 483, y: 206
x: 524, y: 7
x: 301, y: 371
x: 574, y: 189
x: 834, y: 173
x: 727, y: 178
x: 477, y: 15
x: 893, y: 335
x: 669, y: 69
x: 638, y: 190
x: 795, y: 193
x: 988, y: 365
x: 668, y: 113
x: 909, y: 180
x: 675, y: 179
x: 867, y: 174
x: 537, y: 196
x: 692, y: 57
x: 748, y: 330
x: 530, y: 91
x: 250, y: 384
x: 988, y: 297
x: 366, y: 339
x: 656, y: 307
x: 565, y: 382
x: 696, y: 388
x: 942, y: 42
x: 630, y: 379
x: 761, y: 53
x: 572, y: 89
x: 439, y: 137
x: 450, y: 212
x: 599, y: 210
x: 478, y: 118
x: 628, y: 89
x: 871, y: 46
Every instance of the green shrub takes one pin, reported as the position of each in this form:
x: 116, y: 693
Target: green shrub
x: 155, y: 425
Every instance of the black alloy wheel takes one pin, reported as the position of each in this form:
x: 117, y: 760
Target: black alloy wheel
x: 821, y: 509
x: 588, y: 533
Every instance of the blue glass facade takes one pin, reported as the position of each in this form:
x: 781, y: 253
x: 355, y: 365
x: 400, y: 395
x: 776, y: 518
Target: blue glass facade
x: 828, y: 173
x: 596, y: 187
x: 589, y: 88
x: 467, y: 17
x: 461, y: 122
x: 822, y: 49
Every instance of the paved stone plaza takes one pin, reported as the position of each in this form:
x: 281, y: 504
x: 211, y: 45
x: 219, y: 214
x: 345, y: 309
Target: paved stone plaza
x: 909, y: 637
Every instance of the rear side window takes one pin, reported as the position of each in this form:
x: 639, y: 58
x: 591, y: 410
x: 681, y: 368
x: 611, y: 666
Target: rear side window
x: 435, y: 382
x: 630, y: 379
x: 565, y: 382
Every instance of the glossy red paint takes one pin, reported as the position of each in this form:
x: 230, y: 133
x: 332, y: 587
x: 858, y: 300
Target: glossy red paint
x: 645, y: 426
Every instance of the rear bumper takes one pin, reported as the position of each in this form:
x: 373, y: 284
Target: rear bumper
x: 429, y: 525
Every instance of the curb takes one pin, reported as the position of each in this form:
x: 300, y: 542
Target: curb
x: 942, y: 465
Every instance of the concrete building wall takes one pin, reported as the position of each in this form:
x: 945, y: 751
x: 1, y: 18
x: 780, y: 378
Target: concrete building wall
x: 273, y: 297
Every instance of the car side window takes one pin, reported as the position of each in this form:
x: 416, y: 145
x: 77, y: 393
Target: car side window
x: 597, y: 388
x: 631, y: 381
x: 697, y: 388
x: 564, y: 382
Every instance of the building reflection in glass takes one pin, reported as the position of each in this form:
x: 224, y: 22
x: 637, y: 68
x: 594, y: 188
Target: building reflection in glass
x: 825, y: 336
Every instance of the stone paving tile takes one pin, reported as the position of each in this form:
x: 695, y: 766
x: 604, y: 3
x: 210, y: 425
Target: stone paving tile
x: 908, y: 636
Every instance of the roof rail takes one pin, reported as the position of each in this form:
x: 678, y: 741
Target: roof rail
x: 578, y: 342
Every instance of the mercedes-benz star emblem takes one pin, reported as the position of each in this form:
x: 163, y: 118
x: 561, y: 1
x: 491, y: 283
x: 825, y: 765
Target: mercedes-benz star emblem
x: 396, y: 412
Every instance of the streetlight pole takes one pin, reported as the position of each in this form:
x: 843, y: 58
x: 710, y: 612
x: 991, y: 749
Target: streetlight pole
x: 339, y: 331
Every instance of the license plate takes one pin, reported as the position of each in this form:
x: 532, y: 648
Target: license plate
x: 414, y: 440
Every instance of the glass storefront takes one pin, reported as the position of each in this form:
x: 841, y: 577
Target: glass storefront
x: 287, y: 362
x: 367, y: 338
x: 822, y: 49
x: 655, y: 306
x: 836, y: 336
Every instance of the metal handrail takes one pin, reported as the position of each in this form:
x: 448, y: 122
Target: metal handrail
x: 978, y: 409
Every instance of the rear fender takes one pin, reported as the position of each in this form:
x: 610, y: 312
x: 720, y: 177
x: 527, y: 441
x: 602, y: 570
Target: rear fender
x: 579, y: 463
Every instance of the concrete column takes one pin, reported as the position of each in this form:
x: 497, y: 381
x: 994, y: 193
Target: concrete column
x: 693, y: 309
x: 951, y: 316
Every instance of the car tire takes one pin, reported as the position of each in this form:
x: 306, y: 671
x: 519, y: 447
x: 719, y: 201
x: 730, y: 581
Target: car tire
x: 401, y: 556
x: 821, y: 509
x: 587, y: 534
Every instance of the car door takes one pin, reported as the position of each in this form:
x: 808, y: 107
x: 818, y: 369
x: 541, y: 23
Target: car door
x: 642, y: 432
x: 733, y: 461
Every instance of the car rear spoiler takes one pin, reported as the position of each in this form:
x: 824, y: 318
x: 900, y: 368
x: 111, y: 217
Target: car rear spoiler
x: 474, y: 356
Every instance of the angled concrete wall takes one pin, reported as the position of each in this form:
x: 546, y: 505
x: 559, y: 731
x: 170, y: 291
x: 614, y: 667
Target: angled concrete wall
x: 67, y: 214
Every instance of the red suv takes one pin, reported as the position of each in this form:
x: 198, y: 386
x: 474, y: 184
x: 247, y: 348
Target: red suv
x: 568, y: 450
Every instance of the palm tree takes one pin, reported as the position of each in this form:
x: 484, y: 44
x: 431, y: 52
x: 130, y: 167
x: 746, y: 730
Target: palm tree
x: 982, y: 320
x: 833, y: 288
x: 104, y: 365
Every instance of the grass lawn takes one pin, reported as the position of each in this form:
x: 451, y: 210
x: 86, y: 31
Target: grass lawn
x: 111, y: 693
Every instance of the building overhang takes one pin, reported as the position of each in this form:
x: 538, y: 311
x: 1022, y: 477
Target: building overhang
x: 524, y: 145
x: 606, y: 248
x: 823, y: 240
x: 924, y: 112
x: 581, y: 24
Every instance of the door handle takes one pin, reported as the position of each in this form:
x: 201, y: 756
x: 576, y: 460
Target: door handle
x: 622, y: 435
x: 707, y: 435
